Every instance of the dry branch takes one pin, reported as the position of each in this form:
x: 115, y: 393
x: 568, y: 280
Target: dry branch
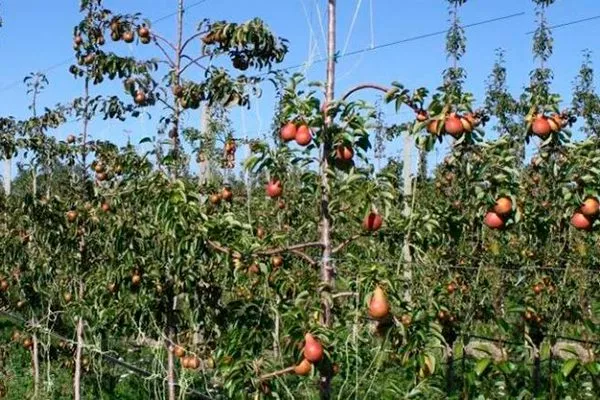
x: 277, y: 373
x: 345, y: 243
x: 280, y: 250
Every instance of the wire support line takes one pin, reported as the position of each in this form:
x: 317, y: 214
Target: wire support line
x: 406, y: 40
x: 569, y: 23
x: 188, y: 7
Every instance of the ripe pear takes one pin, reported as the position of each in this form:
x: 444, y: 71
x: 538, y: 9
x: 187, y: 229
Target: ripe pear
x: 379, y: 307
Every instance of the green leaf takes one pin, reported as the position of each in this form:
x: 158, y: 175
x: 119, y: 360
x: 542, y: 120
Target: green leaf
x: 430, y: 363
x: 568, y: 366
x: 482, y: 365
x: 593, y: 368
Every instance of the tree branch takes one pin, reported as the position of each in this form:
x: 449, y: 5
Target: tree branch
x: 171, y: 45
x: 194, y: 36
x: 344, y: 294
x: 193, y: 61
x: 295, y: 249
x: 277, y: 373
x: 165, y: 103
x: 345, y: 243
x: 362, y: 87
x: 218, y: 247
x: 164, y: 62
x: 304, y: 256
x: 300, y: 246
x: 169, y: 59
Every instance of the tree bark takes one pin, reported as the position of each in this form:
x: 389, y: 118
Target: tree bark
x: 34, y: 340
x: 422, y: 165
x: 79, y: 330
x: 86, y: 121
x: 78, y: 351
x: 177, y: 81
x: 170, y: 331
x: 7, y: 175
x: 36, y: 366
x: 170, y: 363
x: 204, y: 171
x: 34, y: 181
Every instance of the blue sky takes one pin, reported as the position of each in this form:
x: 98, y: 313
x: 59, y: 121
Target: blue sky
x: 38, y: 34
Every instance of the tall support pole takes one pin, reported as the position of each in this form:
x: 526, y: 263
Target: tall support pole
x: 407, y: 180
x: 170, y: 329
x: 327, y: 267
x: 84, y: 178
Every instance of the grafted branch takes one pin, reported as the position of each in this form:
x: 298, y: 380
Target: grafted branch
x: 300, y: 246
x: 166, y: 104
x: 277, y: 373
x: 162, y: 49
x: 294, y: 249
x: 364, y: 86
x: 304, y: 256
x: 194, y: 36
x: 193, y: 61
x: 344, y: 294
x: 219, y: 247
x: 168, y: 43
x: 346, y: 243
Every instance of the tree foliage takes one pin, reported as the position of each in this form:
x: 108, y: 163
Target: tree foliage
x: 478, y: 280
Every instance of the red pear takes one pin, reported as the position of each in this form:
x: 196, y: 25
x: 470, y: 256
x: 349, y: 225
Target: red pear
x: 303, y: 368
x: 288, y: 132
x: 372, y: 222
x: 453, y: 125
x: 313, y: 351
x: 274, y: 188
x: 590, y: 207
x: 344, y: 153
x: 580, y: 221
x: 432, y: 127
x: 303, y: 135
x: 503, y: 206
x: 493, y: 220
x: 378, y: 306
x: 541, y: 127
